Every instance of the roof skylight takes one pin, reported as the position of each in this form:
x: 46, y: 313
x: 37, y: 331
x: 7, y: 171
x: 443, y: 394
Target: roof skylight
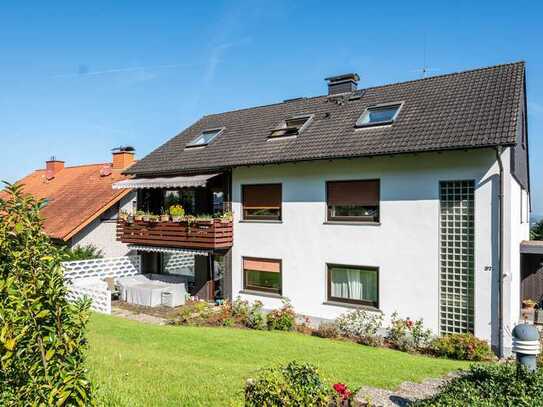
x: 204, y: 138
x: 291, y: 126
x: 379, y: 115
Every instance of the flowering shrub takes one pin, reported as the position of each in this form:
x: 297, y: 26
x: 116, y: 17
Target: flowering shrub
x: 462, y: 346
x: 343, y: 394
x: 194, y: 312
x: 327, y: 330
x: 295, y: 384
x: 359, y: 323
x: 256, y: 319
x: 283, y: 318
x: 408, y: 335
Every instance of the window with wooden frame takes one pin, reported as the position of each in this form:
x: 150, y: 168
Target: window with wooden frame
x: 353, y: 284
x: 262, y: 275
x: 261, y: 202
x: 353, y: 201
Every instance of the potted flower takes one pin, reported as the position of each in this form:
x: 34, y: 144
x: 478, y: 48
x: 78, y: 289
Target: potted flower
x: 123, y: 215
x: 528, y: 304
x: 177, y: 212
x: 138, y: 216
x: 227, y: 217
x: 154, y: 218
x: 164, y: 217
x: 147, y: 216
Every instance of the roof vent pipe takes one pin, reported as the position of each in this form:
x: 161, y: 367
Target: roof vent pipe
x: 345, y: 83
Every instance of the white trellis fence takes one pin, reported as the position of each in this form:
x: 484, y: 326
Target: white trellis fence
x: 85, y: 278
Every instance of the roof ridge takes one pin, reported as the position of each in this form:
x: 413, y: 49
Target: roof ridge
x: 521, y: 62
x: 76, y: 166
x: 484, y: 68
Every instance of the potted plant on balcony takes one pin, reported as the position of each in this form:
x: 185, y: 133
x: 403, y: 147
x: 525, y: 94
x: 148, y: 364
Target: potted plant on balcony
x: 227, y: 217
x: 164, y: 217
x: 123, y: 215
x: 154, y: 218
x: 138, y: 216
x: 147, y: 216
x: 177, y: 213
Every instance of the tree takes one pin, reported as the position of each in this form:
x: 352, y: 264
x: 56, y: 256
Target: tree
x: 42, y: 335
x: 536, y: 233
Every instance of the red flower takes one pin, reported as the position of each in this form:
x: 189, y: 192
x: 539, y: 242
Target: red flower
x: 409, y: 323
x: 340, y: 388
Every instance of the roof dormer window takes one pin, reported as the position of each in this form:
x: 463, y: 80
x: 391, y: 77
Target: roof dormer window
x: 291, y: 127
x: 379, y: 115
x: 205, y: 137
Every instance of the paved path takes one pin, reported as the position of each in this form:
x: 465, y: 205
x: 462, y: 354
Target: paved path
x: 140, y: 317
x: 405, y: 394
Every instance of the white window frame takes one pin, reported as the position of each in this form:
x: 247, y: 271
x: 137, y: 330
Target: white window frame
x: 376, y: 107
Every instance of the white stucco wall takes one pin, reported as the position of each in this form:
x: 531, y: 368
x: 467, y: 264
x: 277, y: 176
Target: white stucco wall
x: 102, y: 233
x: 405, y: 246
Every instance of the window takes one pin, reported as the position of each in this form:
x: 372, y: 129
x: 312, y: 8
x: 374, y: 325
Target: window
x: 352, y: 284
x: 291, y: 127
x: 205, y: 138
x: 261, y: 202
x: 378, y: 115
x: 353, y: 201
x: 184, y: 197
x: 262, y: 275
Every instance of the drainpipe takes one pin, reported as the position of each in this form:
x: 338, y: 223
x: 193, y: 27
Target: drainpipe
x: 500, y: 253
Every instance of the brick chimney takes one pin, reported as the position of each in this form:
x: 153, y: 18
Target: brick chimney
x: 123, y: 157
x: 52, y: 167
x: 342, y: 83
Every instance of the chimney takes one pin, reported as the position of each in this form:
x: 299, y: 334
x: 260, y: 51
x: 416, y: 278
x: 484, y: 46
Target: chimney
x: 342, y: 83
x: 123, y: 157
x: 52, y: 167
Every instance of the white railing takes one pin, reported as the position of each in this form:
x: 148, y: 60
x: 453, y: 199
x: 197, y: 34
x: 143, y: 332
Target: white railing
x: 76, y: 272
x: 109, y: 267
x: 100, y: 297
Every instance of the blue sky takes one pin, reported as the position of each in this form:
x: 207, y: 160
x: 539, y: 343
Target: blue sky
x: 77, y: 79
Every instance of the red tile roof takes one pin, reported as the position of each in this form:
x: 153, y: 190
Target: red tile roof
x: 76, y: 196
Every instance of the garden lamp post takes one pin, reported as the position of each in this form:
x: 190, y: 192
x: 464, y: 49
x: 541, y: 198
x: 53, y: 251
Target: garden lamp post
x: 526, y: 345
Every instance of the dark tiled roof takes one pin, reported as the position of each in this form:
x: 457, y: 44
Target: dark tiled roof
x: 469, y: 109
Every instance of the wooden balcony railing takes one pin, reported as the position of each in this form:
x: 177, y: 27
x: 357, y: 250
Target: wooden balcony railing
x: 212, y: 234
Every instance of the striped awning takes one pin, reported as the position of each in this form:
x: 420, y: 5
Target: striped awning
x: 166, y: 182
x: 157, y: 249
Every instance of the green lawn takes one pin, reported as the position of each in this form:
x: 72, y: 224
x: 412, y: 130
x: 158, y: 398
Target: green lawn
x: 145, y: 365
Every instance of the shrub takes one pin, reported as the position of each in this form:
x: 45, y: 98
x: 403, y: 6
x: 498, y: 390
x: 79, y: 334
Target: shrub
x: 371, y: 340
x: 295, y: 384
x: 82, y: 253
x: 256, y: 318
x: 359, y: 323
x: 42, y: 335
x: 327, y: 330
x: 283, y: 318
x: 463, y: 346
x: 194, y: 312
x: 491, y: 385
x: 240, y: 310
x: 408, y: 335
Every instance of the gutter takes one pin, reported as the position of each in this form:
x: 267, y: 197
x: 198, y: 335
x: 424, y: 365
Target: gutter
x: 499, y: 151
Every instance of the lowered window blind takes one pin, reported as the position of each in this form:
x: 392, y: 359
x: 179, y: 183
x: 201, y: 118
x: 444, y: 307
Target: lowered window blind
x: 261, y: 196
x: 267, y: 265
x: 363, y: 193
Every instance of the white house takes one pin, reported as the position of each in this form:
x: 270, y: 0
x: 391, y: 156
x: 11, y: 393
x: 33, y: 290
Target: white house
x: 410, y: 197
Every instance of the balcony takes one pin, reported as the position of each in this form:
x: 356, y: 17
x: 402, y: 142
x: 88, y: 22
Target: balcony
x: 199, y: 234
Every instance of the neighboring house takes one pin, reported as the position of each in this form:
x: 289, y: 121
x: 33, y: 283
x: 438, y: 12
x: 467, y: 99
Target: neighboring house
x: 385, y: 198
x: 80, y: 205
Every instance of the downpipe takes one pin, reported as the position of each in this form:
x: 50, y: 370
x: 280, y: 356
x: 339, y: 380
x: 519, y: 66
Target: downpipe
x: 499, y: 151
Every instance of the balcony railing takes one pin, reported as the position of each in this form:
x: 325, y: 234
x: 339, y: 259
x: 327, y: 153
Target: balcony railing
x: 212, y: 234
